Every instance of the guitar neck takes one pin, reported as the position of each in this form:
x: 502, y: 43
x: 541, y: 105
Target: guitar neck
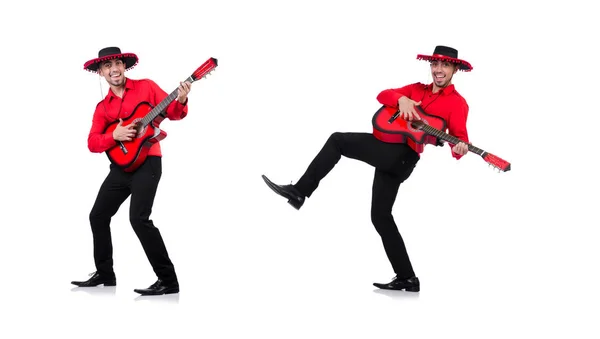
x: 162, y: 105
x: 453, y: 140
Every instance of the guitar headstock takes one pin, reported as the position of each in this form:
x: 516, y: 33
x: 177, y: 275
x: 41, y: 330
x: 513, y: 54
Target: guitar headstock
x: 204, y: 69
x: 497, y: 162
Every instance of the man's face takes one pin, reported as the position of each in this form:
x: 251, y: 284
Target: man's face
x: 442, y: 72
x: 113, y: 71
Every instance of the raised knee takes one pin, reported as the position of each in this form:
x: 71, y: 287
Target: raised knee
x: 335, y: 136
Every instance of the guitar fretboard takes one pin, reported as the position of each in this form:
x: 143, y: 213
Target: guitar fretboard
x: 451, y: 139
x: 161, y: 106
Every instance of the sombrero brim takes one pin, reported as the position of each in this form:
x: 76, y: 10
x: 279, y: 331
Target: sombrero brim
x: 462, y: 64
x: 130, y: 60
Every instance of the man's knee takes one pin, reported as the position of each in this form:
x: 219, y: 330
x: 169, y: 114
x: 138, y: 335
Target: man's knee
x: 99, y: 216
x: 336, y: 136
x: 383, y: 221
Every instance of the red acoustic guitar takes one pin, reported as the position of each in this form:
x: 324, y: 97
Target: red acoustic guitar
x: 418, y: 133
x: 129, y: 155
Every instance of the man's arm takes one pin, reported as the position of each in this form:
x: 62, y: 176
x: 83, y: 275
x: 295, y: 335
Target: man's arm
x: 390, y: 97
x: 400, y: 99
x: 177, y: 109
x: 457, y: 126
x: 98, y: 141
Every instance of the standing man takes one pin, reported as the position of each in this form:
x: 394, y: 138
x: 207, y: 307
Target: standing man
x: 123, y: 96
x: 393, y: 162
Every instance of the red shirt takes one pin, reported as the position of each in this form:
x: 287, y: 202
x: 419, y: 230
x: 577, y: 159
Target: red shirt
x: 112, y: 108
x: 447, y: 104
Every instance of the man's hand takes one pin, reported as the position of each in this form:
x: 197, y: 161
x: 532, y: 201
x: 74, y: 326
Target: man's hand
x: 124, y: 133
x: 183, y: 90
x: 460, y: 148
x: 406, y: 106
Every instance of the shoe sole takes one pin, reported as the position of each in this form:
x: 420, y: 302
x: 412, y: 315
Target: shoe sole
x: 171, y: 291
x: 407, y: 289
x: 295, y: 203
x: 113, y: 283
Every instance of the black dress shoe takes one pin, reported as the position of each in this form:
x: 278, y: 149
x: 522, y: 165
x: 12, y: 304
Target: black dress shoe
x: 409, y: 285
x: 295, y: 198
x: 96, y: 280
x: 158, y: 288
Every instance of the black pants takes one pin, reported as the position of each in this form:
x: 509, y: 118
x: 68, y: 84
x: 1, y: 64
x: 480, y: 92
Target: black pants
x: 141, y: 185
x: 393, y: 164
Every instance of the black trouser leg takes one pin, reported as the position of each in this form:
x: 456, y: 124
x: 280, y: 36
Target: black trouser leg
x: 393, y: 163
x: 360, y: 146
x: 385, y: 189
x: 143, y: 190
x: 113, y: 192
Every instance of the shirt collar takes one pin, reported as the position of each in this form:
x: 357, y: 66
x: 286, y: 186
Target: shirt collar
x: 444, y: 91
x: 128, y: 85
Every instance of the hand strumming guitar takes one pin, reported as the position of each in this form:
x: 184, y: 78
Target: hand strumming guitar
x: 406, y: 106
x: 124, y: 133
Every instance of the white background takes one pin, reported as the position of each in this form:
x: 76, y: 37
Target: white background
x: 499, y: 255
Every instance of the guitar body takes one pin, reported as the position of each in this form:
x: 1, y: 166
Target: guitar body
x: 129, y: 155
x: 402, y: 131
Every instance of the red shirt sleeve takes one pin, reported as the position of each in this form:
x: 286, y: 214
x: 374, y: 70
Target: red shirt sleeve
x: 390, y: 97
x: 457, y: 125
x: 98, y: 141
x: 175, y: 110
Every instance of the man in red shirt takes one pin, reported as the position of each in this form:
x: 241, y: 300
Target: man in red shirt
x: 393, y: 162
x: 123, y: 96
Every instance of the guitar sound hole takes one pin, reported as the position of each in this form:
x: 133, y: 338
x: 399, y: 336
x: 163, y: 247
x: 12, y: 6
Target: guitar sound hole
x: 139, y: 128
x: 417, y: 125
